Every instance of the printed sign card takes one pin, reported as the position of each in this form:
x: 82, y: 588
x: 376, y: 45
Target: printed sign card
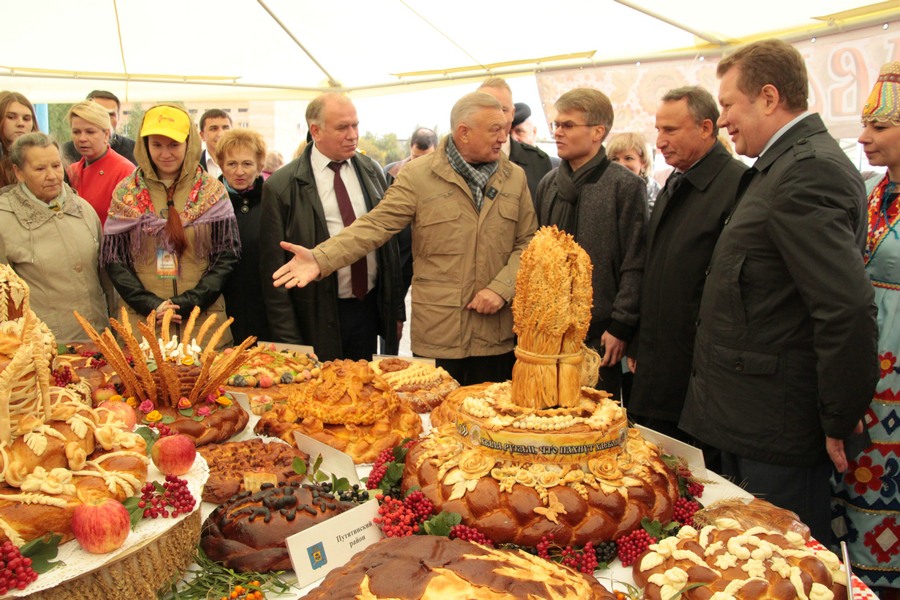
x: 669, y: 445
x: 316, y: 551
x: 334, y: 462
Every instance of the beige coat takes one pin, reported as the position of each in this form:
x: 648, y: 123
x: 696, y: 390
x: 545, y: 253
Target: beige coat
x: 457, y: 251
x: 193, y: 269
x: 57, y: 254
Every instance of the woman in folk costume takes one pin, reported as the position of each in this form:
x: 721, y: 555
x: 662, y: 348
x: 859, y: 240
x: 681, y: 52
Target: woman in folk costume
x: 866, y: 498
x: 171, y: 239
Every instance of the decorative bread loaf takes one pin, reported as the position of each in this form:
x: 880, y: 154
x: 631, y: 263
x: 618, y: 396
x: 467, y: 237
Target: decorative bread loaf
x: 247, y: 532
x: 724, y: 561
x: 349, y: 408
x: 438, y: 568
x: 422, y: 385
x: 230, y: 462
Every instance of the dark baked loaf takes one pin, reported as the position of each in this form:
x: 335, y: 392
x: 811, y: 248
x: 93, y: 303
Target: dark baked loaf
x: 247, y: 533
x: 231, y: 461
x: 434, y: 568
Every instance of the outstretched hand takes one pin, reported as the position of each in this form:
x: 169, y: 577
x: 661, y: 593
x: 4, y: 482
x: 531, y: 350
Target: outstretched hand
x: 299, y: 271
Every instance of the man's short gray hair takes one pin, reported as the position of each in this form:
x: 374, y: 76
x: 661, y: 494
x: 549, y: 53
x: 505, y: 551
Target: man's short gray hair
x: 469, y: 104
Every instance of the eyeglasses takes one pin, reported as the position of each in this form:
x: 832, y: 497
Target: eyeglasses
x: 568, y: 125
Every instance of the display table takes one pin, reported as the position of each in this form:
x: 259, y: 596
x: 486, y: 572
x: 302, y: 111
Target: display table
x: 616, y: 578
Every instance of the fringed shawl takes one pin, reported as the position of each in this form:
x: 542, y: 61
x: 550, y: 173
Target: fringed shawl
x: 133, y: 221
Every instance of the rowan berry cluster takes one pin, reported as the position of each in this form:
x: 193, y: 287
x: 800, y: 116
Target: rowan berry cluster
x: 470, y: 534
x: 583, y: 560
x: 15, y: 570
x: 684, y: 511
x: 175, y: 495
x: 402, y: 518
x: 632, y: 545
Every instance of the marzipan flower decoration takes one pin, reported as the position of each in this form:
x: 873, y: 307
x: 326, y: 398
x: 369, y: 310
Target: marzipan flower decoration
x: 204, y: 411
x: 153, y: 416
x: 187, y: 361
x: 146, y: 407
x: 211, y: 398
x: 553, y: 509
x: 132, y: 402
x: 548, y: 479
x: 526, y: 478
x: 223, y: 401
x: 116, y: 398
x: 605, y: 468
x: 475, y: 464
x: 184, y: 403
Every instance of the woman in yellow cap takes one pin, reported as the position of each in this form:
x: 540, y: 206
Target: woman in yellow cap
x: 866, y: 498
x: 171, y: 238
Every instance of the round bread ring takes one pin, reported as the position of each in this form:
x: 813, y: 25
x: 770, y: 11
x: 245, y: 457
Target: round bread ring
x: 510, y: 517
x: 247, y: 533
x: 219, y: 426
x: 811, y: 565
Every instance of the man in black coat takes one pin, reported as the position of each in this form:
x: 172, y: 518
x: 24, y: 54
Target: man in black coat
x: 785, y: 358
x: 683, y: 230
x: 300, y: 204
x: 534, y: 161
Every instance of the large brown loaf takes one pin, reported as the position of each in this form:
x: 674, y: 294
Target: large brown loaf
x: 229, y: 462
x: 222, y: 424
x: 511, y: 516
x: 435, y: 568
x: 745, y: 565
x: 247, y: 533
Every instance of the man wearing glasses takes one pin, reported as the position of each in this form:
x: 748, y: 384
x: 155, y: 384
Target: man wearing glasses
x: 604, y: 206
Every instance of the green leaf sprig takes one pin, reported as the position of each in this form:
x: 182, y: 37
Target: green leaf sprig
x: 212, y: 580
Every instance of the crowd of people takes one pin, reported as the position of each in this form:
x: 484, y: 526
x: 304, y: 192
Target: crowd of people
x: 753, y: 306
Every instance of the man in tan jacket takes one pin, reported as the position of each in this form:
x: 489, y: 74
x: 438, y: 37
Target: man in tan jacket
x: 471, y: 216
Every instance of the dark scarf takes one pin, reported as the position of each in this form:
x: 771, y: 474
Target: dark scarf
x: 564, y: 207
x: 476, y: 176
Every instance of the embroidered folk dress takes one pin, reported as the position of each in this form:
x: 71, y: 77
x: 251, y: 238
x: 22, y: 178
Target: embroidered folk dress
x: 866, y: 499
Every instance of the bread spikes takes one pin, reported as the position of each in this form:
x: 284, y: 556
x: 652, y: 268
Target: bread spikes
x: 114, y: 355
x: 166, y: 374
x: 189, y: 328
x: 552, y: 312
x: 140, y: 366
x: 222, y: 371
x: 206, y: 357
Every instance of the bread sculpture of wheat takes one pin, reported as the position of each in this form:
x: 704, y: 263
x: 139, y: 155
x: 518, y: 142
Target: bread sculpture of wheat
x: 139, y: 381
x: 552, y: 313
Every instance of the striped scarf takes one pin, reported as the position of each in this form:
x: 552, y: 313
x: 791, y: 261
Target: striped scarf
x: 476, y: 176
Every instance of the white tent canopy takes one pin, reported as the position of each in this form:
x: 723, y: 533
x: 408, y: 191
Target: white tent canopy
x: 148, y: 50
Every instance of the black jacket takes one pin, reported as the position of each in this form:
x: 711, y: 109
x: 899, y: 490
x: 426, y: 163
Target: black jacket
x: 681, y: 235
x: 243, y: 290
x: 292, y: 211
x: 786, y: 352
x: 534, y: 161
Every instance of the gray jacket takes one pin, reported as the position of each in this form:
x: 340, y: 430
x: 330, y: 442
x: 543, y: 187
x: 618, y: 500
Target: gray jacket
x: 786, y: 341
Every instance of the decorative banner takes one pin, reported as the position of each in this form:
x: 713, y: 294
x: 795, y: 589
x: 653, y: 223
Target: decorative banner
x: 540, y: 447
x: 842, y: 69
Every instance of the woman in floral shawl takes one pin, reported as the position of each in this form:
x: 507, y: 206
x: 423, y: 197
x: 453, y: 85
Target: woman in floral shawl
x: 171, y: 239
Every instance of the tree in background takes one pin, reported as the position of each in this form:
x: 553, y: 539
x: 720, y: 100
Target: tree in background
x: 385, y: 149
x: 59, y: 125
x: 131, y: 125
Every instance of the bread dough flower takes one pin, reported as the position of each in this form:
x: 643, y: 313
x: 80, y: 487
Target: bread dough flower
x: 475, y: 464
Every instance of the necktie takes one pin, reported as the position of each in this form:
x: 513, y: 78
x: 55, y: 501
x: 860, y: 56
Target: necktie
x: 673, y: 182
x: 359, y: 277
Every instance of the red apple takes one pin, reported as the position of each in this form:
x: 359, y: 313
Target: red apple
x: 101, y: 525
x: 174, y: 454
x: 118, y: 411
